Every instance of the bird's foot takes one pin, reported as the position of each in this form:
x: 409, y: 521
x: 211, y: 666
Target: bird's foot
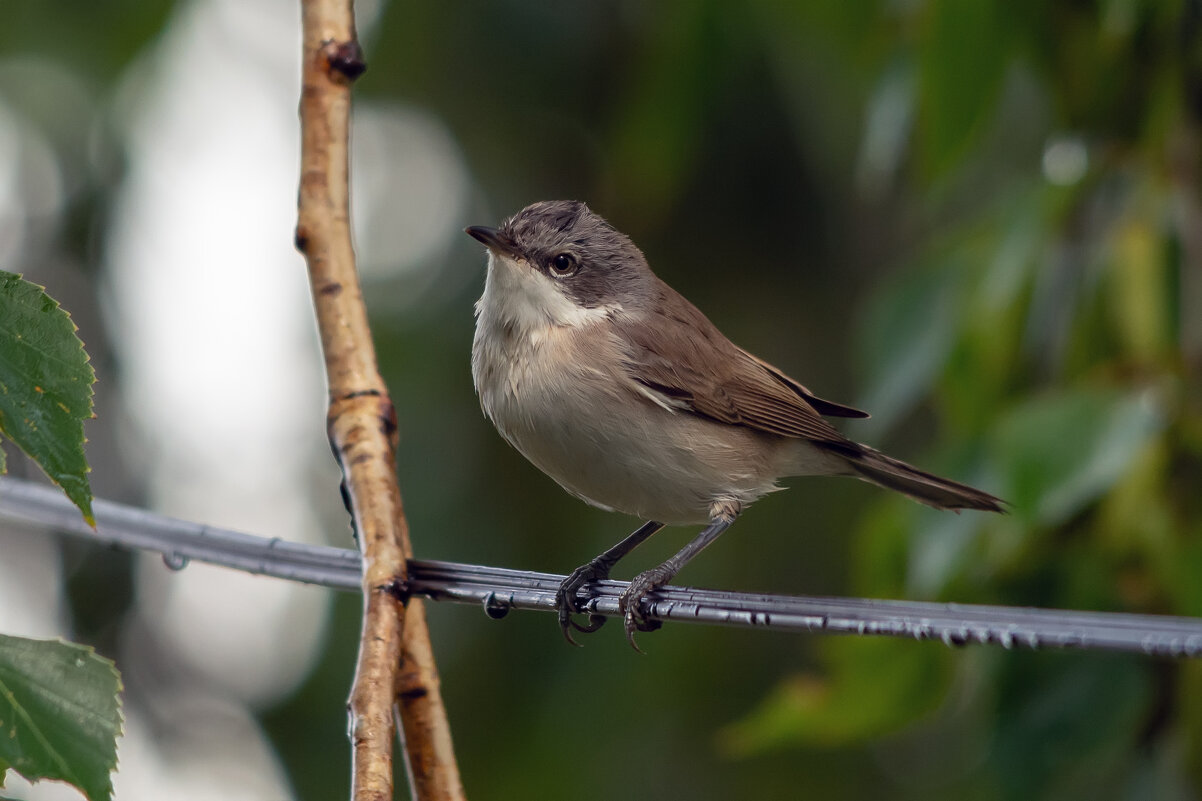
x: 568, y: 604
x: 631, y: 602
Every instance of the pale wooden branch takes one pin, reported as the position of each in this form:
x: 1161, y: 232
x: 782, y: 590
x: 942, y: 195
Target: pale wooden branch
x: 362, y: 430
x: 430, y: 754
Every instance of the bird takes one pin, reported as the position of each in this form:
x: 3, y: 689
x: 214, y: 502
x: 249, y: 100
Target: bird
x: 631, y: 399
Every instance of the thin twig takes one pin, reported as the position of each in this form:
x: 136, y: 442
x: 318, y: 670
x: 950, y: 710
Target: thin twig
x: 498, y: 590
x: 362, y: 426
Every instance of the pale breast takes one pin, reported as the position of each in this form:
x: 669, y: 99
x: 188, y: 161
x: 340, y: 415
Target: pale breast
x: 560, y: 396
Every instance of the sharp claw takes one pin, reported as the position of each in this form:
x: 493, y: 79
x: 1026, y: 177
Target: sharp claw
x: 597, y: 570
x: 566, y: 624
x: 631, y: 603
x: 632, y: 619
x: 568, y: 604
x: 631, y: 627
x: 567, y: 633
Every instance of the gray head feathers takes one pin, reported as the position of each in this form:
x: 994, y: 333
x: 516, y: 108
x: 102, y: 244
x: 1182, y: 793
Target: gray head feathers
x: 609, y: 268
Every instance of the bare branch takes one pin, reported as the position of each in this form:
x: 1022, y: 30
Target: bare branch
x: 498, y: 590
x: 361, y: 421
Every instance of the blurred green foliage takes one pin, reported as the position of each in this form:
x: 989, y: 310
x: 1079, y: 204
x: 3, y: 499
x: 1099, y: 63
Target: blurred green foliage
x: 980, y: 221
x: 999, y: 203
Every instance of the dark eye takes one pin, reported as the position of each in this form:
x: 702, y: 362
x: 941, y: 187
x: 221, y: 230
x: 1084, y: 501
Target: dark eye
x: 563, y: 265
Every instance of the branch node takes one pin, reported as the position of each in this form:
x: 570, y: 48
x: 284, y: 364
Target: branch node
x: 398, y: 589
x: 413, y: 692
x: 344, y: 58
x: 361, y: 393
x: 388, y: 421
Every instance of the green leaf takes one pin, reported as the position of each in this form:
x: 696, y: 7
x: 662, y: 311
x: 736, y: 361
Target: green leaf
x: 940, y: 547
x: 1064, y: 719
x: 909, y: 331
x: 60, y: 714
x: 657, y: 134
x: 45, y: 386
x: 857, y: 700
x: 1062, y: 452
x: 963, y: 58
x: 1142, y: 301
x: 906, y: 549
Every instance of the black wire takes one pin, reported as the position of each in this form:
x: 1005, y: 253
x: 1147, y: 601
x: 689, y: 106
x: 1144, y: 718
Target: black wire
x: 499, y: 590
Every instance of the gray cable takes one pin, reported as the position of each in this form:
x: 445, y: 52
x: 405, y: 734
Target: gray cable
x: 498, y: 589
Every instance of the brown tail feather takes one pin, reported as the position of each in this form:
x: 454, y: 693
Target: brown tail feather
x: 942, y: 493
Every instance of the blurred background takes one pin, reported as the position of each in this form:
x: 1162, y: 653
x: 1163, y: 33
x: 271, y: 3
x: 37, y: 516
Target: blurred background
x: 980, y: 221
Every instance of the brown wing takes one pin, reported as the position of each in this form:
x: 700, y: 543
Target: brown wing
x: 828, y: 408
x: 679, y: 353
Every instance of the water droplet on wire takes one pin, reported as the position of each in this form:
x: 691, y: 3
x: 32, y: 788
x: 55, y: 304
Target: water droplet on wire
x: 175, y: 561
x: 495, y: 607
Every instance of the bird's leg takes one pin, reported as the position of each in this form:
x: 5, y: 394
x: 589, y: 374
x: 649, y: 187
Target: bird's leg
x: 596, y: 570
x: 722, y: 515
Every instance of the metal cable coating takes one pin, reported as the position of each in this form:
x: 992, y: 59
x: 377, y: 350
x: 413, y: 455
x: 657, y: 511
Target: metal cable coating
x: 499, y: 590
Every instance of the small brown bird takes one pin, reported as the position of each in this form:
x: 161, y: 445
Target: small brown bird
x: 618, y: 388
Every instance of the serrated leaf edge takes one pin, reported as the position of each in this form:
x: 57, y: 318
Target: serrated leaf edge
x: 85, y: 508
x: 117, y: 734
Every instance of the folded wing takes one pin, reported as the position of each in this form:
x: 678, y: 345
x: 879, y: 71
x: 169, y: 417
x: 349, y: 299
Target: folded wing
x: 712, y: 377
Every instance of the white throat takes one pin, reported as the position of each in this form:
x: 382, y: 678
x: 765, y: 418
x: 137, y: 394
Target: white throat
x: 523, y: 301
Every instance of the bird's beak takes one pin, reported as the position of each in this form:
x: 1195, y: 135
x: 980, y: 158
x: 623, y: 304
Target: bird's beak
x: 492, y: 239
